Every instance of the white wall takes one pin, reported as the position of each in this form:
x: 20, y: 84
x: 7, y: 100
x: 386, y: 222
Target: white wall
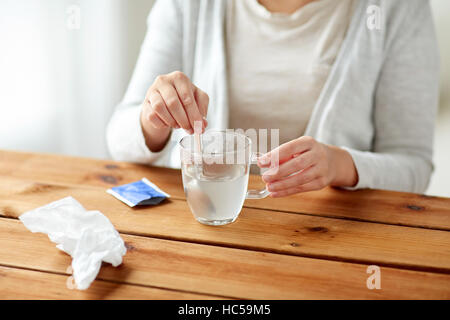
x: 26, y: 119
x: 58, y: 86
x: 440, y: 182
x: 441, y: 12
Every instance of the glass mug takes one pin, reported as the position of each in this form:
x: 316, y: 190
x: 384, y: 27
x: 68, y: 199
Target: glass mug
x: 215, y: 180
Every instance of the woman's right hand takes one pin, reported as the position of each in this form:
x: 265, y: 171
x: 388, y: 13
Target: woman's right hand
x: 172, y: 101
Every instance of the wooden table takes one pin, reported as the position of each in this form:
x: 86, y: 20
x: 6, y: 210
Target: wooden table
x: 309, y: 246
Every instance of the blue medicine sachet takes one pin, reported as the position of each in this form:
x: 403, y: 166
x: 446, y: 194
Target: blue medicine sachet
x: 139, y: 193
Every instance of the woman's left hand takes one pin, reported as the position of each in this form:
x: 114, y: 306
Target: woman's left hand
x: 305, y: 164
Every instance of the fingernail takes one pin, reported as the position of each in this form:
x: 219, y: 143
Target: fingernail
x: 190, y: 131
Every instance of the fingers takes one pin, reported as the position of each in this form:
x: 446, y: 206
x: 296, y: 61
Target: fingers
x: 186, y: 95
x: 159, y: 107
x: 305, y: 166
x: 202, y: 100
x: 313, y: 185
x: 150, y: 116
x: 286, y: 151
x: 295, y: 180
x: 156, y: 122
x: 173, y: 101
x: 174, y: 106
x: 300, y: 162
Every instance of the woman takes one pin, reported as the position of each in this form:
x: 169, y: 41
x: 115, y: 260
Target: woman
x: 352, y: 85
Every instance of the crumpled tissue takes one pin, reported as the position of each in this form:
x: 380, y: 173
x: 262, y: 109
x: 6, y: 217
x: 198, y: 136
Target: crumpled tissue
x: 88, y: 236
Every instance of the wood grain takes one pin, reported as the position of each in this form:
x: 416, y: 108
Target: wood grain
x: 365, y: 205
x: 294, y: 234
x: 389, y: 207
x: 225, y: 272
x: 20, y: 284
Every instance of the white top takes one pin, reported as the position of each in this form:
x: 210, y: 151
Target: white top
x: 278, y: 63
x: 379, y: 101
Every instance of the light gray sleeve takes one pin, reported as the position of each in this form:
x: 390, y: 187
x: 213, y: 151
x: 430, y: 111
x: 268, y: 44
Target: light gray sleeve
x: 405, y: 105
x: 161, y: 53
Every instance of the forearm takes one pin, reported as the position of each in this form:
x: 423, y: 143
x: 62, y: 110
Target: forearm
x: 397, y: 171
x: 344, y: 170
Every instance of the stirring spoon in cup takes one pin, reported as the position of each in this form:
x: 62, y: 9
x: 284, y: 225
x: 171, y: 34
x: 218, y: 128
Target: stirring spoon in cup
x: 198, y: 158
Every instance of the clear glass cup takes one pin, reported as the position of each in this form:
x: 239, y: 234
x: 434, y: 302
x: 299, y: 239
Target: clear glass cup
x: 215, y: 180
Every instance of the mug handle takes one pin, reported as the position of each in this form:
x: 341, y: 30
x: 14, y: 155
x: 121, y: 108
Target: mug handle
x: 256, y: 194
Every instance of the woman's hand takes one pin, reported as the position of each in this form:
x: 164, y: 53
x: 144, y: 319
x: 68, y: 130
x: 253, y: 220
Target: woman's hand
x: 172, y: 101
x: 304, y: 165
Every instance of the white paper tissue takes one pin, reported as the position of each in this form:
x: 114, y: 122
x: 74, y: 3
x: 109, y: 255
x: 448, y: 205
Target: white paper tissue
x: 88, y: 236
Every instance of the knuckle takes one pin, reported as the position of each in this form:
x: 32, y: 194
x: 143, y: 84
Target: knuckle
x: 292, y: 145
x: 178, y: 75
x: 307, y: 139
x: 285, y: 148
x: 146, y: 104
x: 298, y: 161
x: 160, y: 79
x: 153, y: 88
x: 288, y: 150
x: 319, y: 153
x: 283, y: 185
x: 172, y: 103
x: 281, y: 171
x: 150, y: 91
x: 187, y: 100
x: 153, y: 117
x: 277, y: 172
x: 158, y: 107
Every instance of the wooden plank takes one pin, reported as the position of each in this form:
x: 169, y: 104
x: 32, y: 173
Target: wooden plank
x: 225, y: 272
x: 294, y: 234
x: 20, y: 284
x: 365, y: 205
x: 73, y: 170
x: 397, y: 208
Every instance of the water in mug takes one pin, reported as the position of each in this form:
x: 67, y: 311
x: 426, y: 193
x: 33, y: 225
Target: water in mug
x: 218, y: 195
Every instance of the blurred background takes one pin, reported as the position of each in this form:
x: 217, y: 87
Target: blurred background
x: 64, y: 65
